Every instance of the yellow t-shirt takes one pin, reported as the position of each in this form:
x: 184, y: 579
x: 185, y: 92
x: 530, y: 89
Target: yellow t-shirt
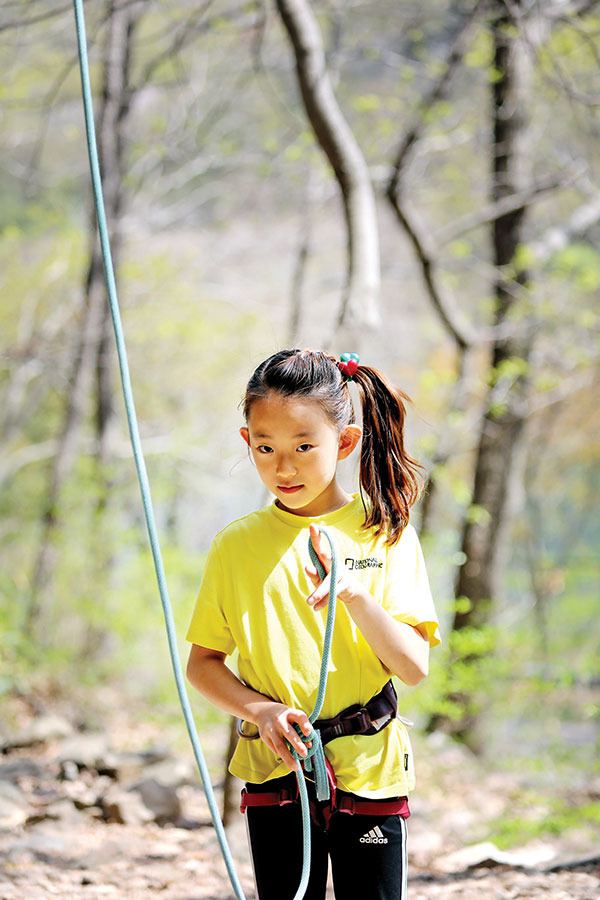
x: 253, y: 598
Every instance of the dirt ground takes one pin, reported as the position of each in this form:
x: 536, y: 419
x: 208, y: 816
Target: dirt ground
x: 57, y: 848
x: 122, y: 862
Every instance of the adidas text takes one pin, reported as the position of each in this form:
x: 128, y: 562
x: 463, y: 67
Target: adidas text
x: 374, y: 836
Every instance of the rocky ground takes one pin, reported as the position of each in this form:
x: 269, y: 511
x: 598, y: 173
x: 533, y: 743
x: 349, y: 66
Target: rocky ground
x: 88, y: 814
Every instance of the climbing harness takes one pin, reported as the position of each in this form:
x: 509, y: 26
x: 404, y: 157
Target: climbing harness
x: 369, y: 719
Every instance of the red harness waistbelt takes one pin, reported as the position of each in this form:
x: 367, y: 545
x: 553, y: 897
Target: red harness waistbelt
x: 346, y: 803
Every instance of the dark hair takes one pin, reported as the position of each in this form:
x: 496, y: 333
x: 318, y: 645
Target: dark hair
x: 388, y: 475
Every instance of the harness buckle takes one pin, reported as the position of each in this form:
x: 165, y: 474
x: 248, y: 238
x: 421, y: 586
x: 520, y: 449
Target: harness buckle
x: 345, y: 804
x: 285, y: 797
x: 359, y: 721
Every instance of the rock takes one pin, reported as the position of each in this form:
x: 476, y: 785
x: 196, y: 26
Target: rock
x: 160, y: 799
x: 18, y: 768
x: 155, y: 754
x: 47, y: 848
x: 14, y: 806
x: 87, y: 751
x: 81, y: 795
x: 131, y: 764
x: 158, y: 850
x: 69, y: 770
x: 62, y: 810
x: 172, y: 772
x: 92, y: 751
x: 103, y: 854
x: 44, y: 728
x: 124, y: 807
x: 487, y: 855
x: 425, y: 844
x: 579, y: 862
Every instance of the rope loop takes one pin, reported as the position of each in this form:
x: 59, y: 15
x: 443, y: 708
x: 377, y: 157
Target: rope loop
x: 315, y: 758
x: 314, y: 761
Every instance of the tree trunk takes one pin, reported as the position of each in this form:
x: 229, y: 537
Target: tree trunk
x: 230, y: 798
x: 92, y: 347
x: 359, y: 308
x: 485, y: 529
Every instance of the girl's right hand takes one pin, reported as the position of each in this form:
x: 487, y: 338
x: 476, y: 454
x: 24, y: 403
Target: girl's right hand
x: 276, y: 726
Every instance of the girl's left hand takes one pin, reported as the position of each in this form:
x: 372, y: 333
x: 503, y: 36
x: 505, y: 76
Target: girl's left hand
x: 348, y: 587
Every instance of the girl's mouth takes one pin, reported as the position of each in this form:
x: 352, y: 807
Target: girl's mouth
x: 290, y: 490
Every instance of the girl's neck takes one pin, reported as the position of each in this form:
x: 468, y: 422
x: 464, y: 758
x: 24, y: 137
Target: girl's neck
x: 328, y: 502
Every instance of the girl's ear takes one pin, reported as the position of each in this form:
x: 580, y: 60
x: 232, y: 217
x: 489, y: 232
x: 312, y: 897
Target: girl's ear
x: 349, y: 438
x: 245, y: 434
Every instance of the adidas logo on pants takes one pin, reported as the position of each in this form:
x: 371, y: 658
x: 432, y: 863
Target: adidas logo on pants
x: 374, y: 836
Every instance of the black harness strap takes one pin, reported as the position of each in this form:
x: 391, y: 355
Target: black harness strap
x: 376, y: 714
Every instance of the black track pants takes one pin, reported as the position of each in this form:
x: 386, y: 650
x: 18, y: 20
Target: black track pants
x: 368, y: 852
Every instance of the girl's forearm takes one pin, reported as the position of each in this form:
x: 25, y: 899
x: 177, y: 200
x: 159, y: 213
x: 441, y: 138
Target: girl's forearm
x: 215, y: 681
x: 400, y: 647
x: 276, y: 722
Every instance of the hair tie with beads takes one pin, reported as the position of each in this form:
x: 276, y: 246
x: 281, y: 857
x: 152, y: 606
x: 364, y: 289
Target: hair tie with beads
x: 348, y: 365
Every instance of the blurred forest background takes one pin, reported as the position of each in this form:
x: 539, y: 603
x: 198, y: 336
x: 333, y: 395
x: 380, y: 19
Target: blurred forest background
x: 416, y: 181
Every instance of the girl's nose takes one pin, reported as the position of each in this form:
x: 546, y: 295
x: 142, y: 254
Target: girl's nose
x: 285, y: 467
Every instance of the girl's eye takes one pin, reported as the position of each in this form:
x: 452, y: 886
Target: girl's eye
x: 263, y: 448
x: 304, y: 447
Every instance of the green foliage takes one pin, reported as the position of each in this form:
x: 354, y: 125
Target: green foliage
x: 463, y: 674
x: 508, y: 370
x: 477, y: 514
x: 549, y: 817
x: 579, y: 265
x: 480, y: 53
x: 367, y: 103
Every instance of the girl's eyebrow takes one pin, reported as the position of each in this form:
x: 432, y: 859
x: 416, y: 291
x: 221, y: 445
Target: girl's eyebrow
x: 267, y: 437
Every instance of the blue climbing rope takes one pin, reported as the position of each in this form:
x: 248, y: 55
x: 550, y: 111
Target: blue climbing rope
x: 316, y: 755
x: 316, y: 752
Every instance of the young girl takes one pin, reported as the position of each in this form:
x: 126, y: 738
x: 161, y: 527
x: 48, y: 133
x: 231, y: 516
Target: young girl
x: 261, y: 595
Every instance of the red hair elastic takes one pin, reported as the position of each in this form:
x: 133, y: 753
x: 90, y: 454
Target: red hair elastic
x: 348, y: 364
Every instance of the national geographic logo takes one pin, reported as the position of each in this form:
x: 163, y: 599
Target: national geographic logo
x: 371, y: 562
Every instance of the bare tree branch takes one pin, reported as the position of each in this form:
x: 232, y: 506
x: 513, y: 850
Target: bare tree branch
x: 462, y: 333
x: 188, y: 31
x: 568, y: 386
x: 54, y: 14
x: 501, y: 207
x: 35, y: 20
x: 562, y: 11
x: 556, y: 238
x: 438, y: 91
x: 359, y: 306
x: 157, y: 445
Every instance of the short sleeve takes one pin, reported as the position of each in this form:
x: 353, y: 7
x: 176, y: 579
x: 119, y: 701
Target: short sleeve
x: 407, y: 594
x: 209, y: 626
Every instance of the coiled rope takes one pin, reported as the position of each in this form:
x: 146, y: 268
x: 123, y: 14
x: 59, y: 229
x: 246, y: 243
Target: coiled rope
x: 316, y: 756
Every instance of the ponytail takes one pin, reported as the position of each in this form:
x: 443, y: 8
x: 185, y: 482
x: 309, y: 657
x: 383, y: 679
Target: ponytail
x: 388, y: 475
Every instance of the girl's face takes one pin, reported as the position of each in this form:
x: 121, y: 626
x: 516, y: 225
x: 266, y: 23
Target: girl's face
x: 296, y: 447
